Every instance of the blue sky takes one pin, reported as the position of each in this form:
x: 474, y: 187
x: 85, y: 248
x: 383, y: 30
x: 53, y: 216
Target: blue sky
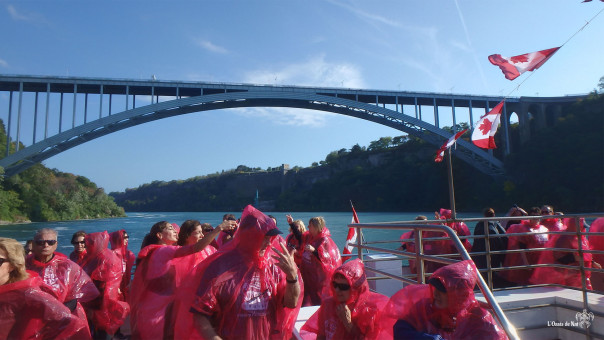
x: 427, y: 45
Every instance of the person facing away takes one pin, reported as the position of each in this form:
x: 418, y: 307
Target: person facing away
x: 158, y: 277
x: 537, y: 238
x: 566, y: 276
x: 243, y: 292
x: 79, y: 247
x: 498, y: 241
x: 444, y: 308
x: 28, y: 246
x: 105, y: 270
x: 320, y: 258
x: 28, y: 307
x: 351, y: 311
x: 70, y: 283
x: 119, y: 244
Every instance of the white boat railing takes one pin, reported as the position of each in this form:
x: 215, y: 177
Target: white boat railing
x: 486, y: 287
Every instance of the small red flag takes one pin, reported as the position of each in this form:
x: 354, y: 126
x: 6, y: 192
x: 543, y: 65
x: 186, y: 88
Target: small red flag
x: 351, y: 238
x: 513, y: 67
x: 441, y: 152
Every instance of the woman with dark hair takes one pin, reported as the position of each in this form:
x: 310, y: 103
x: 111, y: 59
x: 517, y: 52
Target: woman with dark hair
x: 296, y: 238
x: 79, y: 247
x: 157, y: 278
x: 119, y: 244
x: 29, y: 310
x: 351, y: 311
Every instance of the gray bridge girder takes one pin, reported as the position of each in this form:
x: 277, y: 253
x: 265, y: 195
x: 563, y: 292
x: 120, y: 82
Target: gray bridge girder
x: 53, y: 145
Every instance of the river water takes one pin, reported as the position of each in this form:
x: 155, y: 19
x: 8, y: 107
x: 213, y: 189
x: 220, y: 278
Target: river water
x: 138, y: 224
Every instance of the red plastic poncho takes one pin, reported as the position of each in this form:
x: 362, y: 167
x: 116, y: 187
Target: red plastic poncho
x: 597, y: 243
x: 67, y: 280
x: 462, y: 319
x: 536, y: 240
x: 78, y: 258
x: 105, y: 269
x: 298, y: 244
x: 564, y: 276
x: 316, y: 271
x: 126, y: 257
x: 553, y: 224
x: 182, y: 316
x: 28, y: 312
x: 363, y: 304
x: 153, y: 290
x: 460, y: 228
x: 240, y: 291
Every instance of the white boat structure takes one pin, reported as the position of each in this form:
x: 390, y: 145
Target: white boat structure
x: 546, y: 311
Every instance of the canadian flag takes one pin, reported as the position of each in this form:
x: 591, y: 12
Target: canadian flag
x: 441, y: 152
x: 513, y: 67
x: 485, y: 129
x: 351, y: 238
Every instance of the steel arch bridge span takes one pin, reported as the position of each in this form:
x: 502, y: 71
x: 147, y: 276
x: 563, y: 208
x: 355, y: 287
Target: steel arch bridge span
x: 44, y: 149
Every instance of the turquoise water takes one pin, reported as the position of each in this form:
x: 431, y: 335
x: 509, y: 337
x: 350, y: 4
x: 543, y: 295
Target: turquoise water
x: 138, y: 224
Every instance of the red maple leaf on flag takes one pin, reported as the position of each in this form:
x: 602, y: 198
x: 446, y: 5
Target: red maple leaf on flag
x: 485, y: 127
x: 519, y: 59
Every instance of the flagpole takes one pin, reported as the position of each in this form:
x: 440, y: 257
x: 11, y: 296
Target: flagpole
x: 451, y: 187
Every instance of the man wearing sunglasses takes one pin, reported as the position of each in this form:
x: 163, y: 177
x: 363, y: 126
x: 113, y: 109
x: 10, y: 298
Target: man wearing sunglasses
x: 68, y: 280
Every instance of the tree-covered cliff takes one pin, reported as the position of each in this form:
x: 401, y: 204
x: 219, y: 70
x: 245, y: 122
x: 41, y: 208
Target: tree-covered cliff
x: 42, y: 194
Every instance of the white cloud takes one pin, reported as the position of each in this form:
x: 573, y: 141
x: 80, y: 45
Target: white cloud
x: 3, y: 63
x: 208, y: 45
x: 29, y: 17
x: 314, y: 72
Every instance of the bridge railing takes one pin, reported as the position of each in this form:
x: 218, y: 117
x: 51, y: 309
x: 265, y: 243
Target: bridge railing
x: 486, y: 287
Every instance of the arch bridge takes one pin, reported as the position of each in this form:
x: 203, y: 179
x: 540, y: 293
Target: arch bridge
x: 46, y: 115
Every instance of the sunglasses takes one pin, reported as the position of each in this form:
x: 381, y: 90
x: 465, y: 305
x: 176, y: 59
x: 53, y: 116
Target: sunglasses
x: 126, y: 237
x: 341, y: 286
x: 77, y: 242
x: 208, y: 230
x: 2, y: 261
x: 42, y: 242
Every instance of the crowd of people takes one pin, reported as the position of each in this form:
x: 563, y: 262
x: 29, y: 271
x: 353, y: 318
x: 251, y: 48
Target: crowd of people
x: 243, y: 280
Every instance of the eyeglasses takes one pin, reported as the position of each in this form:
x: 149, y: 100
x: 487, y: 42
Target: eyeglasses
x: 77, y: 242
x: 341, y: 286
x: 2, y: 261
x: 42, y: 242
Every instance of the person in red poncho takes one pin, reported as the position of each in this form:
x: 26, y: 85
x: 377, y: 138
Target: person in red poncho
x: 105, y: 270
x: 445, y: 308
x: 551, y: 223
x: 460, y: 228
x: 158, y: 277
x: 72, y: 286
x: 320, y: 258
x: 565, y: 276
x: 597, y: 243
x: 537, y: 239
x: 351, y: 312
x: 119, y: 245
x: 79, y: 247
x: 243, y: 293
x: 28, y: 308
x: 296, y: 238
